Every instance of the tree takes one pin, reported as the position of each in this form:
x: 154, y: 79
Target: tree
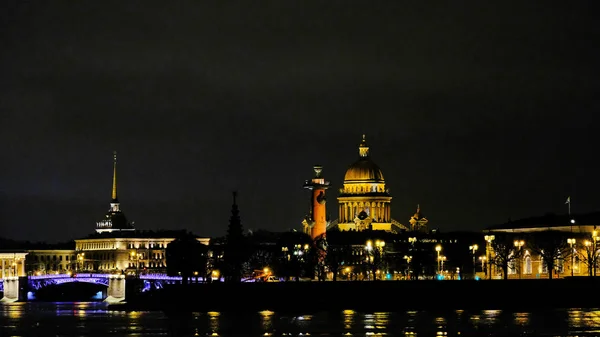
x: 337, y: 256
x: 590, y: 254
x: 375, y: 256
x: 551, y: 246
x: 186, y: 257
x: 504, y: 252
x: 235, y: 252
x: 298, y: 256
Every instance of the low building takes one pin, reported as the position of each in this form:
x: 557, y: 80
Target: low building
x: 570, y: 240
x: 126, y: 252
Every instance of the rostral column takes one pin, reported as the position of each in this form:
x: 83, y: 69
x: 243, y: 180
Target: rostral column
x: 318, y: 217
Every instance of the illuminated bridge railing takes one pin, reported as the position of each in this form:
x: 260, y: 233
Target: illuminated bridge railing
x: 79, y: 275
x: 160, y: 277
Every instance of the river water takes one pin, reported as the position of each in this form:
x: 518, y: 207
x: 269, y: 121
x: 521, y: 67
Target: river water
x: 94, y: 319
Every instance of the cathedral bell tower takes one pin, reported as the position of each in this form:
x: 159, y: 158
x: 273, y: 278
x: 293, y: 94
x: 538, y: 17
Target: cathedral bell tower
x: 315, y: 223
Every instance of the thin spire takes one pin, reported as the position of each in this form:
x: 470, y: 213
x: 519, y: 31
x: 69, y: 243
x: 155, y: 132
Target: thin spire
x: 114, y: 184
x: 234, y: 197
x: 363, y: 148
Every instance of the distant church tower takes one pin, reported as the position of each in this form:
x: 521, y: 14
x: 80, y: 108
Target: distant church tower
x: 114, y: 219
x: 418, y: 222
x: 315, y: 223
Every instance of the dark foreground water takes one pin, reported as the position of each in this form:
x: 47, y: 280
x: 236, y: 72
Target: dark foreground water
x: 93, y: 319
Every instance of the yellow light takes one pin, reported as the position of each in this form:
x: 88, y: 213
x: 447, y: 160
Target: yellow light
x: 306, y: 247
x: 438, y: 248
x: 347, y: 269
x: 369, y: 243
x: 266, y: 270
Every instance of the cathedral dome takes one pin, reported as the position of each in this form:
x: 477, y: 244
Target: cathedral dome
x: 363, y: 170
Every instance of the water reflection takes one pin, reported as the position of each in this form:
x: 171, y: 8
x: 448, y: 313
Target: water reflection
x: 521, y: 318
x: 94, y: 319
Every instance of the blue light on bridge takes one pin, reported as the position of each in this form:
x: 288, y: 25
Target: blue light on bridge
x: 98, y: 296
x: 440, y: 277
x: 388, y: 276
x: 477, y: 278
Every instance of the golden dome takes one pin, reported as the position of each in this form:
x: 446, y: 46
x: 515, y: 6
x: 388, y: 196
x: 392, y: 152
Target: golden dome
x: 363, y: 170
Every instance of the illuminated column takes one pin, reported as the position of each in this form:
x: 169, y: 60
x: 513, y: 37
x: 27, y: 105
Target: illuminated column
x: 318, y: 185
x: 3, y: 272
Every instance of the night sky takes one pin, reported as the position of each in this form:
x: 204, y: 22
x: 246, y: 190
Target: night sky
x: 479, y: 113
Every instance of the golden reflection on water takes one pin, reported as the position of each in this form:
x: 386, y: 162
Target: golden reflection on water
x: 266, y: 317
x: 521, y: 318
x: 584, y: 318
x: 349, y: 319
x: 14, y: 310
x: 491, y: 316
x: 376, y: 321
x: 213, y: 322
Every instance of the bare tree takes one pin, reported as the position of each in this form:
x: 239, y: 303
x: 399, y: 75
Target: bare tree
x: 505, y: 252
x: 551, y: 246
x: 590, y: 253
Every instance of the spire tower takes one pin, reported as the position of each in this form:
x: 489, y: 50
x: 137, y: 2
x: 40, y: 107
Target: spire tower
x: 114, y: 181
x: 363, y: 148
x: 114, y: 219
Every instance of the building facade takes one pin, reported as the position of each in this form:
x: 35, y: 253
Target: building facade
x: 364, y: 201
x: 572, y: 242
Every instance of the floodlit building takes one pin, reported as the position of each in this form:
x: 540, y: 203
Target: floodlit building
x: 571, y: 240
x: 364, y: 201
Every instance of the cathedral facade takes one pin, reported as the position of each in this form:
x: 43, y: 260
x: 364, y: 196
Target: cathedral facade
x: 364, y: 201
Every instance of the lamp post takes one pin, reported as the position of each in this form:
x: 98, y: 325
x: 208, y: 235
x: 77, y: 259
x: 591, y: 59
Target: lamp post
x: 473, y: 249
x: 80, y: 258
x: 482, y: 259
x: 519, y: 244
x: 438, y: 249
x: 571, y: 242
x: 136, y: 257
x: 442, y: 259
x: 489, y: 252
x: 408, y: 259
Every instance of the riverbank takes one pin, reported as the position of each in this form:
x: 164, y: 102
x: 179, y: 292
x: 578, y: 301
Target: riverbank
x: 376, y: 296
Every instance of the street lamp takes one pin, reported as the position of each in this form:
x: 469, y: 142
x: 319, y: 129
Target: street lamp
x: 408, y: 259
x: 438, y: 249
x: 473, y: 249
x: 571, y: 242
x: 80, y: 258
x: 518, y: 244
x: 442, y: 259
x: 136, y: 257
x: 488, y: 252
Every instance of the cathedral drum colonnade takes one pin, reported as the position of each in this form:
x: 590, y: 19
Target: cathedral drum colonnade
x: 364, y: 201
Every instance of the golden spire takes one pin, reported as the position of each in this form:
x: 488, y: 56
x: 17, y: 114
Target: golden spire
x: 363, y: 148
x: 114, y: 185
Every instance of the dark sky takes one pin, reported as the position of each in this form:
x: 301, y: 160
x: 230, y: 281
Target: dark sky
x: 479, y: 113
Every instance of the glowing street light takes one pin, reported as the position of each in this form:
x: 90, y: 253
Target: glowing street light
x: 438, y: 249
x: 519, y: 244
x: 474, y: 249
x: 571, y: 242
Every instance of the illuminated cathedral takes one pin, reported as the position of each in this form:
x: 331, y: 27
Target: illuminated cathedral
x: 364, y: 202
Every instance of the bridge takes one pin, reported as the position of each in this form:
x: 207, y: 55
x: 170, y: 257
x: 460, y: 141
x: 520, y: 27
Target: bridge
x: 23, y: 288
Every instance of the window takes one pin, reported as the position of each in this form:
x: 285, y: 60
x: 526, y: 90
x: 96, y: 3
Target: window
x: 512, y: 265
x: 528, y: 269
x: 543, y: 266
